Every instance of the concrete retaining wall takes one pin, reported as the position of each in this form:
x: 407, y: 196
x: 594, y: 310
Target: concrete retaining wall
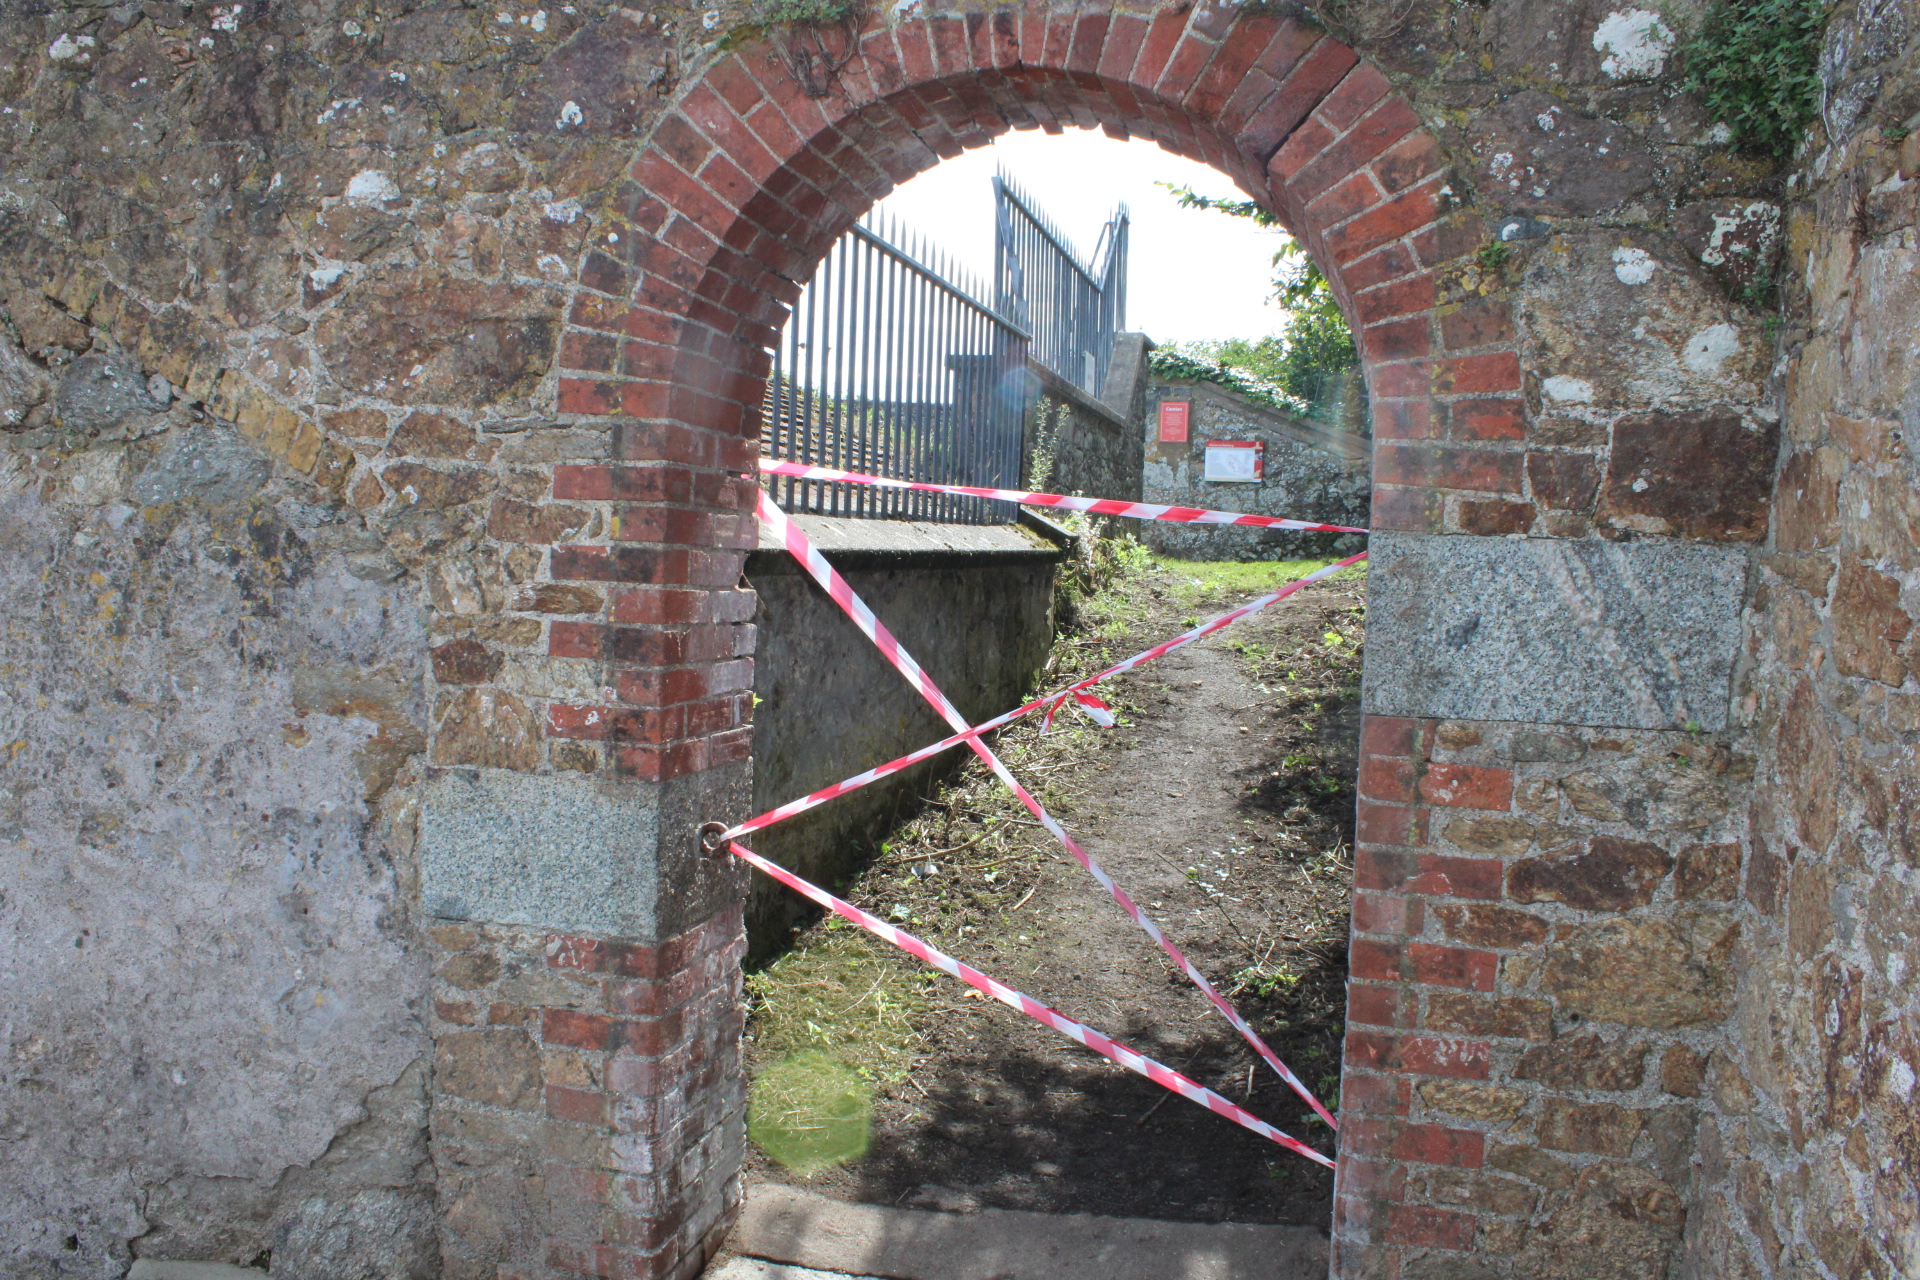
x: 973, y: 604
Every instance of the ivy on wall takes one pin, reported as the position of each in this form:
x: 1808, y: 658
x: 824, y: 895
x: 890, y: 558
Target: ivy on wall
x: 1756, y: 66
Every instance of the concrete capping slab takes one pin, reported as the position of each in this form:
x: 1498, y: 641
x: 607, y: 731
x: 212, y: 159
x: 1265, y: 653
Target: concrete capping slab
x: 554, y: 851
x: 907, y: 544
x: 1639, y: 635
x: 788, y: 1225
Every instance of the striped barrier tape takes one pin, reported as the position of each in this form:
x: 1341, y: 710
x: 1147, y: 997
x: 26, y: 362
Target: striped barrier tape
x: 797, y: 542
x: 1164, y: 1076
x: 1050, y: 701
x: 1099, y: 506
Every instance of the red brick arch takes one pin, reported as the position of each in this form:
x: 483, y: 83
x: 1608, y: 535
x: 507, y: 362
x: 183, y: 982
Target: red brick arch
x: 746, y: 182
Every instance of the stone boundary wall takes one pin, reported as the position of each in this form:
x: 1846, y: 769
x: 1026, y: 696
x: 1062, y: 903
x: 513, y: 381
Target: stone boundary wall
x: 604, y: 1076
x: 1542, y: 964
x: 1088, y: 442
x: 1311, y: 473
x: 1811, y: 1165
x: 378, y: 397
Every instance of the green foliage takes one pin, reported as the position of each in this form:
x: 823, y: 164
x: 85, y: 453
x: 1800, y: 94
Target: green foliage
x: 1755, y: 64
x: 1493, y: 255
x: 1190, y: 362
x: 1294, y: 368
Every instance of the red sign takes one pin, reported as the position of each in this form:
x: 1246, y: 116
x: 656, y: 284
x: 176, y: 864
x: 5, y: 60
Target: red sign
x: 1173, y: 421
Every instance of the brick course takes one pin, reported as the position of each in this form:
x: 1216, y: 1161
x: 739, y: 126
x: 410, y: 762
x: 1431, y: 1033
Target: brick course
x: 1447, y: 1001
x: 627, y: 1133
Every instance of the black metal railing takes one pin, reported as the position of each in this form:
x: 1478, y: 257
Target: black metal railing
x: 1073, y: 309
x: 892, y: 364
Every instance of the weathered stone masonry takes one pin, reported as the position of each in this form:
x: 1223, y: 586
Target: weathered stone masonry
x: 379, y: 386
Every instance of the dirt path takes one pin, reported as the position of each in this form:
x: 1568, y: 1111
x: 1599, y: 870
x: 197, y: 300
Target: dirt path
x: 1223, y: 803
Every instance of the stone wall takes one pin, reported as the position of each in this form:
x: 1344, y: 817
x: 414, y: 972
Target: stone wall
x: 1085, y: 445
x: 378, y: 393
x: 214, y: 991
x: 1813, y: 1160
x: 973, y: 604
x: 1311, y: 473
x: 1543, y: 964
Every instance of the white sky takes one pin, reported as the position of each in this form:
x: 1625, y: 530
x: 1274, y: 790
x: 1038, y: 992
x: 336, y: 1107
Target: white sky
x: 1192, y: 273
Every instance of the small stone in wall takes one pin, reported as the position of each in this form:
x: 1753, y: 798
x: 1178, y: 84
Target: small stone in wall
x: 550, y: 597
x: 470, y: 970
x: 1531, y: 1163
x: 1584, y: 1062
x: 1563, y: 481
x: 1513, y: 1018
x: 1471, y: 1100
x: 435, y: 435
x: 1710, y: 871
x: 488, y: 728
x: 1535, y: 156
x: 1491, y: 834
x: 1595, y: 795
x: 464, y: 661
x: 1705, y: 474
x: 1619, y: 1223
x: 1606, y: 874
x: 1533, y: 745
x: 1644, y: 973
x: 1737, y: 240
x: 1468, y: 1189
x: 1600, y: 1128
x: 1869, y: 626
x: 423, y: 487
x: 497, y: 1066
x: 1682, y: 1071
x: 1483, y: 924
x: 575, y: 756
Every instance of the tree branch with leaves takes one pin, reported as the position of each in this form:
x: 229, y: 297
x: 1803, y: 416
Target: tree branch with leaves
x: 1294, y: 368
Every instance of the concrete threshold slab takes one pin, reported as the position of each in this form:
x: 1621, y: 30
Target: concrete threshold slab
x: 785, y: 1225
x: 759, y: 1269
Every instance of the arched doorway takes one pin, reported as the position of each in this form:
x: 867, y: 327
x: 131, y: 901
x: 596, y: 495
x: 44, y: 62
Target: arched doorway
x: 750, y: 178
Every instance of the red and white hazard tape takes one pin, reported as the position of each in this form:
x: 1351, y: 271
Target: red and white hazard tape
x: 1052, y: 702
x: 1161, y: 1075
x: 797, y: 542
x: 1099, y: 506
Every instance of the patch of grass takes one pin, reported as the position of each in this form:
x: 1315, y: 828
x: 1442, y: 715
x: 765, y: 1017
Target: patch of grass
x: 1755, y: 65
x: 810, y: 1111
x: 1249, y: 577
x: 844, y: 994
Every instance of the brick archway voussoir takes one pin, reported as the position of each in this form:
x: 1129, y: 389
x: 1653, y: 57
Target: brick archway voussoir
x: 747, y: 180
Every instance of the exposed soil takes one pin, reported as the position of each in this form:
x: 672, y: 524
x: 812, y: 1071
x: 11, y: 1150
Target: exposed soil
x: 1223, y: 803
